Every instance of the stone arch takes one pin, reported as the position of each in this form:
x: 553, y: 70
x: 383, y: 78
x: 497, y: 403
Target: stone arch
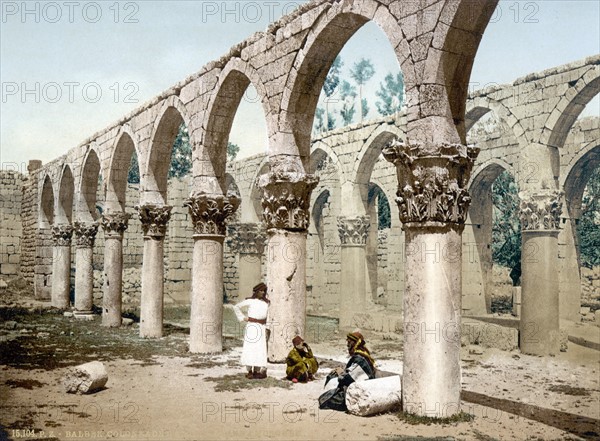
x: 116, y: 185
x: 569, y: 108
x: 480, y: 106
x: 450, y: 56
x: 357, y: 187
x: 234, y: 79
x: 154, y: 180
x: 255, y: 205
x: 46, y: 218
x: 321, y: 150
x: 477, y: 238
x: 90, y: 174
x: 574, y: 179
x: 328, y: 35
x: 317, y: 215
x: 66, y: 193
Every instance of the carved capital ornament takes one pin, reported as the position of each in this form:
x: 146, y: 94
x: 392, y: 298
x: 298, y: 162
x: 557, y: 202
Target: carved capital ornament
x: 210, y: 212
x: 353, y: 230
x: 62, y: 235
x: 85, y: 233
x: 540, y: 211
x: 432, y: 181
x: 154, y: 219
x: 115, y: 224
x: 286, y: 199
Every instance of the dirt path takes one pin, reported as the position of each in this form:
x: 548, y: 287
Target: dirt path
x: 157, y: 391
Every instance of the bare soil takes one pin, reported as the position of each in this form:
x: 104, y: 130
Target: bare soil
x: 159, y: 391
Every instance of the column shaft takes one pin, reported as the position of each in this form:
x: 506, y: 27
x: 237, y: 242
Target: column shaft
x: 433, y: 203
x: 113, y: 281
x: 114, y: 225
x: 61, y: 266
x: 209, y: 214
x: 286, y: 211
x: 154, y: 220
x: 85, y: 234
x: 61, y: 276
x: 206, y: 320
x: 153, y: 270
x: 539, y: 332
x: 286, y: 281
x: 431, y: 371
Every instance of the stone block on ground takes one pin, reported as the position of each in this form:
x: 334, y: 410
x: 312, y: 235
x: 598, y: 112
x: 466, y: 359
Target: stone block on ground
x: 364, y: 398
x: 85, y: 378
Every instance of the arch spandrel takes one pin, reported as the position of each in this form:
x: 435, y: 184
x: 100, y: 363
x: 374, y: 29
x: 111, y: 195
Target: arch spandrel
x: 329, y: 33
x: 125, y: 145
x: 87, y: 187
x: 66, y: 193
x: 210, y: 158
x: 154, y: 169
x: 47, y: 203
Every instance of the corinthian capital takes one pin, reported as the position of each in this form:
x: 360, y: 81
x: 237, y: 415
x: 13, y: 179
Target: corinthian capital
x: 286, y: 199
x: 541, y: 211
x: 85, y: 233
x: 353, y: 230
x: 62, y: 234
x: 432, y: 181
x: 154, y: 219
x: 210, y: 212
x: 114, y: 224
x: 247, y: 238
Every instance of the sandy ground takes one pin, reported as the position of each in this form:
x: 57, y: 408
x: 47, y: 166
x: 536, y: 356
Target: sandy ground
x: 157, y: 391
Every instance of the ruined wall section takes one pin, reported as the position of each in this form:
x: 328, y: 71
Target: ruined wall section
x: 12, y: 184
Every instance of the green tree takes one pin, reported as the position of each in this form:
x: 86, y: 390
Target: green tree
x: 331, y: 83
x: 181, y: 154
x: 391, y: 94
x: 506, y: 228
x: 348, y: 96
x: 133, y: 175
x: 232, y: 151
x: 588, y: 228
x: 364, y: 108
x: 361, y: 72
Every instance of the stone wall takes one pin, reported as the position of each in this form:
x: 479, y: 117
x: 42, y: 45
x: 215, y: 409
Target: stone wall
x: 11, y: 196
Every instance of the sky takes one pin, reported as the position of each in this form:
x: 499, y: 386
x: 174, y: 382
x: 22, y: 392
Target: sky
x: 70, y: 69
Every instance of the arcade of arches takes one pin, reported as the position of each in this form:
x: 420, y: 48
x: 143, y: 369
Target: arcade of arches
x: 319, y: 241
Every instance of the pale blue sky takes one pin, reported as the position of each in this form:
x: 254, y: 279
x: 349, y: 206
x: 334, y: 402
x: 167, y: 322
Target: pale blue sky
x: 173, y: 39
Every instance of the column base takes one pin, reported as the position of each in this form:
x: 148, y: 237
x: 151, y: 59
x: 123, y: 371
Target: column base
x: 84, y: 315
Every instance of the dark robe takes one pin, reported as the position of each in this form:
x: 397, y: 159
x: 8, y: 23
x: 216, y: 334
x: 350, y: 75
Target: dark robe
x: 357, y: 369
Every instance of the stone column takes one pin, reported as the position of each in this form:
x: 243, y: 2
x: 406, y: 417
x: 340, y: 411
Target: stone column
x: 248, y: 240
x: 353, y: 235
x: 209, y: 214
x: 85, y: 234
x: 154, y: 220
x: 539, y: 326
x: 285, y: 202
x: 114, y: 225
x: 61, y: 266
x: 433, y: 203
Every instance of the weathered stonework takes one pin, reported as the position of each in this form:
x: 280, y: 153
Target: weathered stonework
x: 210, y: 213
x: 62, y: 235
x: 154, y: 219
x: 286, y: 200
x: 85, y: 234
x: 541, y: 211
x: 432, y: 181
x: 353, y: 231
x: 115, y: 224
x: 247, y: 238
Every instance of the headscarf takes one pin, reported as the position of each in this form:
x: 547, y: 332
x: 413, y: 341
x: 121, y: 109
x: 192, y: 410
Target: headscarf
x: 359, y: 347
x: 260, y: 287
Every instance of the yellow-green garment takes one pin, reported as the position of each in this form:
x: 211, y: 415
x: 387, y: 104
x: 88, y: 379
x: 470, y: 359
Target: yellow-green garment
x: 299, y: 364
